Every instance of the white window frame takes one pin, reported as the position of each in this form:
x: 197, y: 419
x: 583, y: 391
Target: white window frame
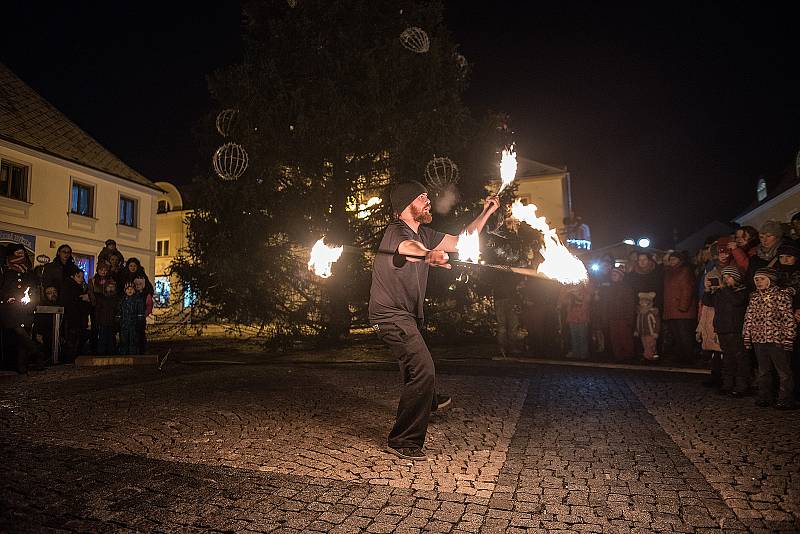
x: 93, y: 201
x: 28, y: 174
x: 135, y: 201
x: 161, y: 249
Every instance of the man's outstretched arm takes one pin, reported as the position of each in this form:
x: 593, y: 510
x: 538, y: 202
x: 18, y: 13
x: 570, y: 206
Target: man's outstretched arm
x: 490, y: 205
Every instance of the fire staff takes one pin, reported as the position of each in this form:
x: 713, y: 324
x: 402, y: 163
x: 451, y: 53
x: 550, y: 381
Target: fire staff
x: 396, y: 302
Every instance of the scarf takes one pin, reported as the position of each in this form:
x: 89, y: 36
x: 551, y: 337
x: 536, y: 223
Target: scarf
x: 18, y: 264
x: 767, y: 254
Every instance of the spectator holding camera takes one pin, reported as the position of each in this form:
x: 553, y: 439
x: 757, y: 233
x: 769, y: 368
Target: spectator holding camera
x: 729, y: 302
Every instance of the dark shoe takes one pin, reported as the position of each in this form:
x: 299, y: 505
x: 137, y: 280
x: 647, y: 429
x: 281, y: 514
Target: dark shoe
x: 763, y: 403
x: 407, y: 453
x: 443, y: 403
x: 785, y: 405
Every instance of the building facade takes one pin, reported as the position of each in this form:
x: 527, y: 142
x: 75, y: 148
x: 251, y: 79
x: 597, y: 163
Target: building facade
x: 60, y: 186
x: 171, y: 239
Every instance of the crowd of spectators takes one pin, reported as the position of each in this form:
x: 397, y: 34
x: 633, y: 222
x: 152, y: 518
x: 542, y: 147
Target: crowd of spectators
x: 103, y: 312
x: 734, y: 306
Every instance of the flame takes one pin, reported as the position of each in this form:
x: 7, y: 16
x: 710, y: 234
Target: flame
x: 26, y: 298
x: 559, y: 263
x: 508, y: 167
x: 468, y: 247
x: 323, y: 257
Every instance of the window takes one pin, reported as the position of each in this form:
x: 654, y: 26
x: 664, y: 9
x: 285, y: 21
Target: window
x: 163, y: 206
x: 13, y: 180
x: 761, y: 189
x: 82, y: 199
x: 162, y: 247
x: 161, y: 292
x: 86, y: 263
x: 127, y: 211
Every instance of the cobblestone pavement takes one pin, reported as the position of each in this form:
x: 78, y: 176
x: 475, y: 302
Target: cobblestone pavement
x: 299, y: 448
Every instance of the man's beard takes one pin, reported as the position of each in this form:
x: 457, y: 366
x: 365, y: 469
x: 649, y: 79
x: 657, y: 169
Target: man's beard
x: 421, y: 216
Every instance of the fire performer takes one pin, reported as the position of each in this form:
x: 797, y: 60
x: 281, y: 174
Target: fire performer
x: 396, y: 307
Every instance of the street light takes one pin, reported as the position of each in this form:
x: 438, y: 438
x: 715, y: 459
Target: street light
x: 629, y: 242
x: 644, y: 242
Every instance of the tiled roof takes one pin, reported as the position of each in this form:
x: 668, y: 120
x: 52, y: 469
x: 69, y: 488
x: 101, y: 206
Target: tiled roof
x: 28, y: 119
x: 529, y: 167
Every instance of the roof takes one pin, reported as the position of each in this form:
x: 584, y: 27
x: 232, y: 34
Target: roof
x: 776, y: 184
x: 528, y: 167
x: 697, y: 239
x: 28, y: 119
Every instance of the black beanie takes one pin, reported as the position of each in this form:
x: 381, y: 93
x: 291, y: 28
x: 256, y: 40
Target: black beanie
x: 404, y: 194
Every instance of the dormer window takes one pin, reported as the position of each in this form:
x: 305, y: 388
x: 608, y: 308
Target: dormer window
x: 761, y: 190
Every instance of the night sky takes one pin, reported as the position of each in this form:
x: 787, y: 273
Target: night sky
x: 665, y: 117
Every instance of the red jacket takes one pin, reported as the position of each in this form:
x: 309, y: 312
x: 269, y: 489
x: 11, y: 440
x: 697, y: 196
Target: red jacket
x: 679, y: 293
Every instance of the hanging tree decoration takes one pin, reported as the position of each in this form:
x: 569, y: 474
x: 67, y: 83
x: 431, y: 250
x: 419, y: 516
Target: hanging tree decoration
x: 441, y: 172
x: 292, y: 3
x: 463, y: 64
x: 415, y: 39
x: 230, y: 161
x: 225, y: 121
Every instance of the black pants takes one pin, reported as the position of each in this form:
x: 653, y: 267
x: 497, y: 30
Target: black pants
x: 682, y: 332
x: 735, y: 363
x: 25, y: 349
x: 418, y: 376
x: 769, y: 356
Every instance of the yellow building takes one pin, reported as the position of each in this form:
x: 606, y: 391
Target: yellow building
x: 58, y: 185
x: 547, y: 187
x: 171, y: 238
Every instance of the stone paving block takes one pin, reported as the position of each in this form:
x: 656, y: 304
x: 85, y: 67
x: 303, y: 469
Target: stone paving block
x: 579, y: 450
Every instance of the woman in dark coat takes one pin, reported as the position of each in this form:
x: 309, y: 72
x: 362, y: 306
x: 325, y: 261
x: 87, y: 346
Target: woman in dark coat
x: 58, y: 270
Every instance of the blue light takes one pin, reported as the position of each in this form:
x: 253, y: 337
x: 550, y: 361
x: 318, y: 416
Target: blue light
x: 644, y: 242
x: 595, y: 267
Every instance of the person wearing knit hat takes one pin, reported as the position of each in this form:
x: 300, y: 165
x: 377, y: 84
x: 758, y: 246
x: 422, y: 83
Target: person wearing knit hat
x: 766, y: 272
x: 397, y: 294
x: 770, y: 328
x: 729, y: 303
x: 18, y: 299
x: 404, y: 193
x: 770, y: 238
x: 733, y: 272
x: 788, y: 248
x: 771, y: 228
x: 788, y: 268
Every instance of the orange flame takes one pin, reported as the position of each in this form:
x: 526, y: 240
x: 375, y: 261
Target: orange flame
x: 26, y: 298
x: 559, y: 263
x: 468, y: 247
x: 323, y: 257
x: 508, y: 167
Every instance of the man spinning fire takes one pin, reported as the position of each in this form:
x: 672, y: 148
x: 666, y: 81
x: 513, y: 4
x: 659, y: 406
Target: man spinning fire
x: 399, y: 280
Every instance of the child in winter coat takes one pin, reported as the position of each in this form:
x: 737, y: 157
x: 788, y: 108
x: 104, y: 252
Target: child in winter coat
x: 130, y: 314
x: 770, y: 328
x: 105, y: 315
x: 648, y: 324
x: 729, y: 303
x: 706, y: 335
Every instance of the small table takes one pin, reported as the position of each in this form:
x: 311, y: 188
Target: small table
x: 57, y: 312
